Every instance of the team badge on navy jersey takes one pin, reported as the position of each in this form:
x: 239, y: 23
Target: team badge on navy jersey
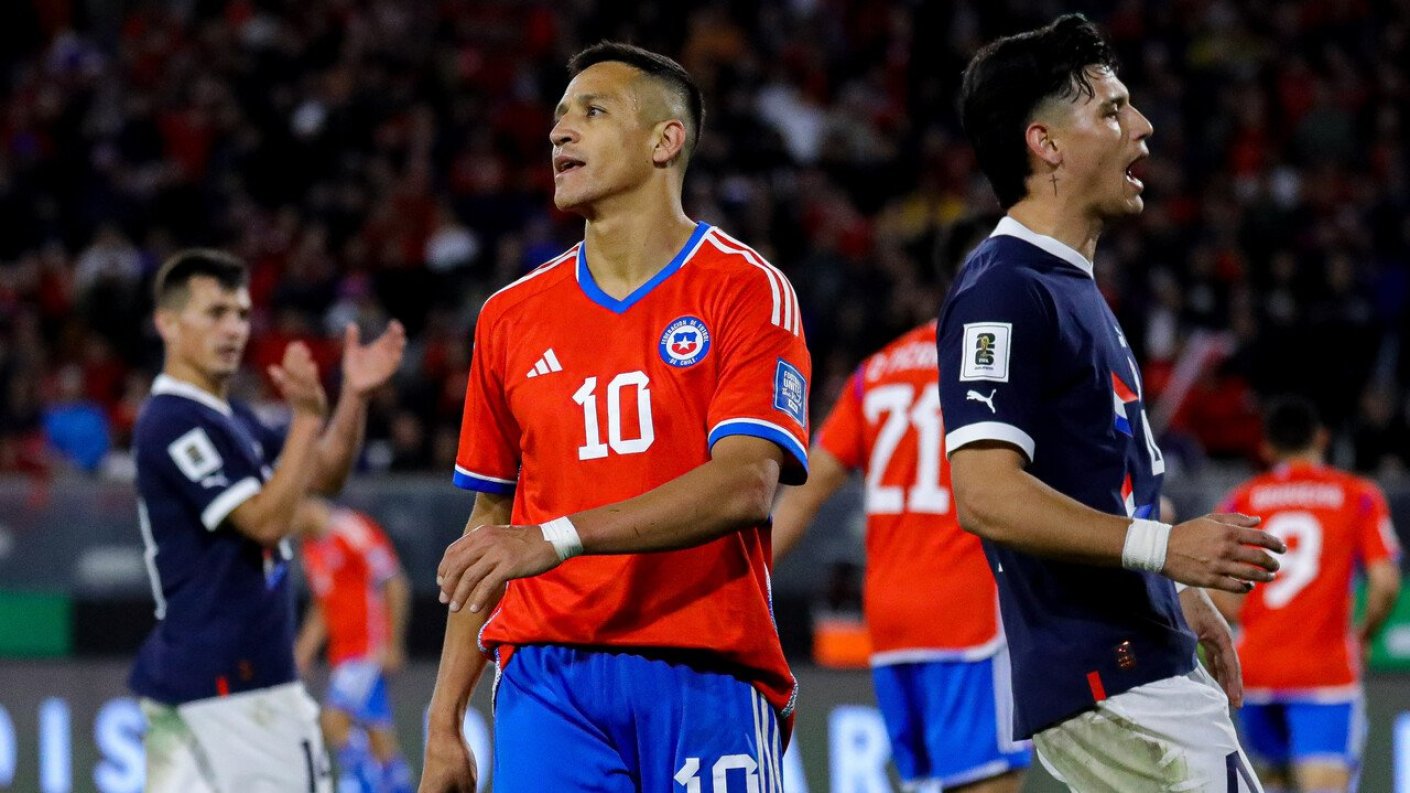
x: 685, y: 342
x: 791, y: 392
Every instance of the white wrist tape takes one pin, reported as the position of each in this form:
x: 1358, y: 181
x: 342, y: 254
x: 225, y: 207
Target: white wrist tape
x: 1179, y: 587
x: 563, y: 536
x: 1146, y: 543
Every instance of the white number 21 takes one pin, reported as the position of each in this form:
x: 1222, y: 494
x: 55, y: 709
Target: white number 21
x: 904, y: 411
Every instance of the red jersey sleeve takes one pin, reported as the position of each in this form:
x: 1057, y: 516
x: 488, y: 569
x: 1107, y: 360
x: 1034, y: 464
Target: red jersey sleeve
x: 843, y: 433
x: 488, y: 459
x: 1377, y: 532
x: 764, y: 371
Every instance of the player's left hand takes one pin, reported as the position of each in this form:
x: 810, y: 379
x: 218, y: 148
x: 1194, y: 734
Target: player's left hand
x: 368, y: 366
x: 475, y: 567
x: 1217, y: 640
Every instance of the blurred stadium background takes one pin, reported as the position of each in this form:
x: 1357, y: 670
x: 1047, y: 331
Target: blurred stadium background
x: 381, y: 158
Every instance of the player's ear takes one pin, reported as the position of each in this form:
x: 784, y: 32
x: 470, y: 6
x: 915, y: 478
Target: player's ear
x: 668, y: 142
x: 165, y: 321
x: 1040, y: 137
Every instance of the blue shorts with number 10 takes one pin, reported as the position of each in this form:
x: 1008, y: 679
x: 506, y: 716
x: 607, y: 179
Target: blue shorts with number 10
x: 950, y: 722
x: 573, y: 719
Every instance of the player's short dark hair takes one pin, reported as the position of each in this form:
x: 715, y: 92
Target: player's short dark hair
x: 170, y: 289
x: 655, y: 66
x: 1007, y: 80
x: 1290, y: 424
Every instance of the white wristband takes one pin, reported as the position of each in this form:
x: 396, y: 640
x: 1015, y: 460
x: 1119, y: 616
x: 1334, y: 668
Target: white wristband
x: 1146, y: 543
x: 563, y: 536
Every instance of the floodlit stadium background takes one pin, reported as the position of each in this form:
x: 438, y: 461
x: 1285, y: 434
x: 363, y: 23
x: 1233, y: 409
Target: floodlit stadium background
x: 376, y: 159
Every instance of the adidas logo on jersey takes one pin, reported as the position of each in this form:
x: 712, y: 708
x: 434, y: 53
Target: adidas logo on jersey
x: 548, y: 362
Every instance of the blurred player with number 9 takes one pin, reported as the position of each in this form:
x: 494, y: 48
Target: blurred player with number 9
x: 1304, y: 710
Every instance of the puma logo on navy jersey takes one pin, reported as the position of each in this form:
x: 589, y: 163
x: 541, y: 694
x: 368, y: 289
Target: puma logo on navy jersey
x: 975, y: 396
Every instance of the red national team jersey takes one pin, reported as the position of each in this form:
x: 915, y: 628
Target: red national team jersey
x: 577, y: 399
x: 1297, y: 629
x: 346, y: 569
x: 929, y: 594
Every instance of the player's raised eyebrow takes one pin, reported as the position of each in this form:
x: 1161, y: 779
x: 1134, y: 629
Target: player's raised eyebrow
x: 581, y: 99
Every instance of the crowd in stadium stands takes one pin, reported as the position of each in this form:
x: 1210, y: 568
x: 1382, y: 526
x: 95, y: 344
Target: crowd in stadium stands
x: 376, y: 159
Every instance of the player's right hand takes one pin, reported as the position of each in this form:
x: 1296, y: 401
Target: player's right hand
x: 1222, y: 551
x: 448, y: 766
x: 296, y: 377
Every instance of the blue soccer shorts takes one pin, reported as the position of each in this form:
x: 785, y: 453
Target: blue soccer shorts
x: 950, y: 722
x: 359, y: 689
x: 1291, y: 731
x: 574, y: 719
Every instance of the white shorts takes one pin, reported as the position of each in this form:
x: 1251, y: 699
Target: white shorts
x: 265, y: 741
x: 1170, y: 736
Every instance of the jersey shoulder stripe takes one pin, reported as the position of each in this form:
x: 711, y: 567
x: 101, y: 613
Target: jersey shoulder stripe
x: 784, y: 313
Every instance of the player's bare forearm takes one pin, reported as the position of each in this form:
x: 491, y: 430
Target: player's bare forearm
x: 735, y: 489
x: 366, y: 367
x: 397, y: 591
x: 732, y: 491
x: 311, y: 637
x: 798, y: 506
x: 461, y: 662
x: 1382, y: 589
x: 997, y: 499
x: 268, y: 516
x: 338, y: 445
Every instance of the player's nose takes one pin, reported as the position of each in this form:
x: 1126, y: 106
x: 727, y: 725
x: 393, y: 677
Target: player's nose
x: 562, y: 133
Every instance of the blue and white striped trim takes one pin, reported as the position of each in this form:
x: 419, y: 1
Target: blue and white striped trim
x: 989, y: 431
x: 220, y: 508
x: 759, y: 428
x: 469, y: 480
x: 768, y: 743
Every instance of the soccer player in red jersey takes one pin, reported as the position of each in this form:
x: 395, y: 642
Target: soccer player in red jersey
x: 633, y: 402
x: 939, y: 660
x: 1304, y: 711
x: 360, y: 603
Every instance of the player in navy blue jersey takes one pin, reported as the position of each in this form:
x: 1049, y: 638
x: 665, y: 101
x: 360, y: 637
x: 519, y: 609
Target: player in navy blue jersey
x: 216, y: 676
x: 1053, y: 461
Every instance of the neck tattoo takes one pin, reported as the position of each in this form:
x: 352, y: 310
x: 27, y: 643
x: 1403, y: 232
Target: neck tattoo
x: 1054, y: 181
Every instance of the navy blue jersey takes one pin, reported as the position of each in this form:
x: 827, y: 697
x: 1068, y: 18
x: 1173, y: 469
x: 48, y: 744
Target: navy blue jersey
x: 1031, y: 355
x: 224, y: 607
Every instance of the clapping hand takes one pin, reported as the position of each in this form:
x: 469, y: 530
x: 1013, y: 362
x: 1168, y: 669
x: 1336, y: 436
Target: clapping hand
x: 368, y: 366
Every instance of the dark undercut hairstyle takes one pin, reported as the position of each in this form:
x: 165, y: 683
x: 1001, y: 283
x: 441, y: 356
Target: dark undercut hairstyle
x: 1008, y: 80
x: 1290, y: 424
x: 656, y: 67
x: 171, y: 288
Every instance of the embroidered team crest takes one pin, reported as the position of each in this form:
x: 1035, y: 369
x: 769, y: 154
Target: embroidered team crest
x: 685, y: 342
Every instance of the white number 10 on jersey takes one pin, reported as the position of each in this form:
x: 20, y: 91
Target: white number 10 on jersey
x: 586, y: 396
